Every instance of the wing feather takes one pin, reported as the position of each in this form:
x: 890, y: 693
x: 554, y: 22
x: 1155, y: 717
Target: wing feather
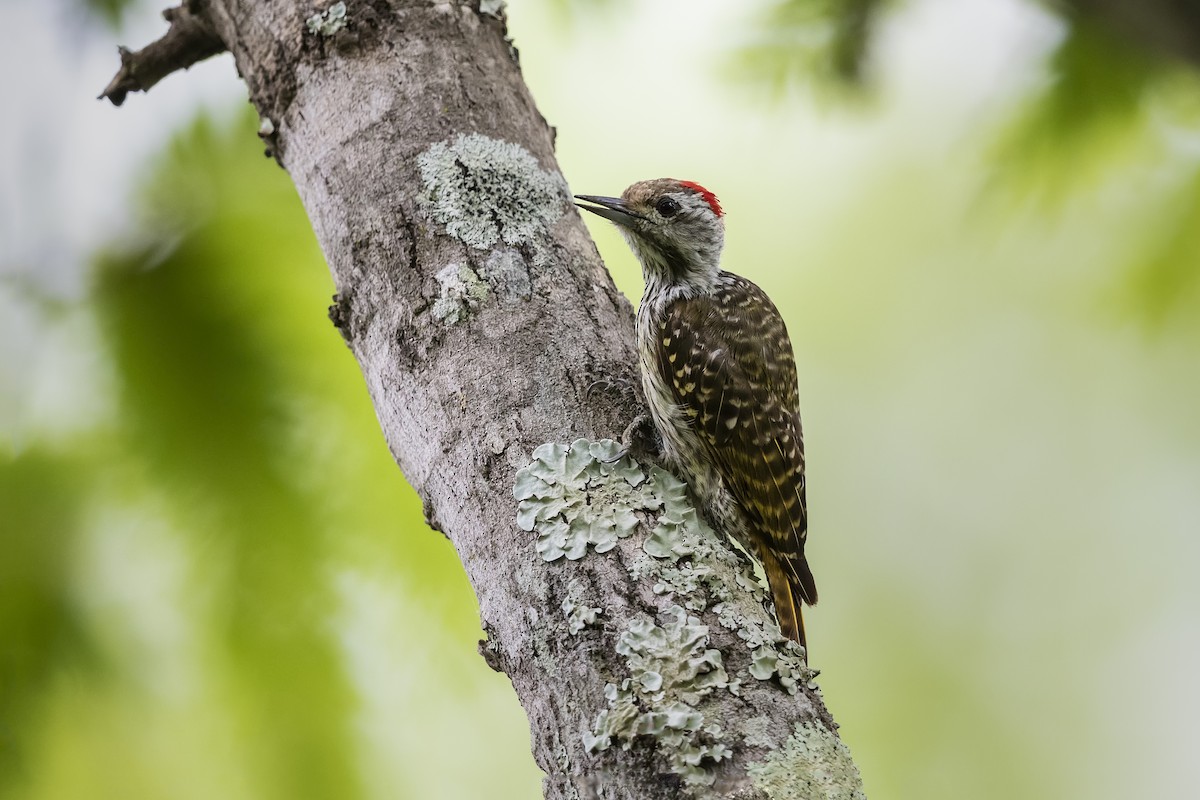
x: 729, y: 362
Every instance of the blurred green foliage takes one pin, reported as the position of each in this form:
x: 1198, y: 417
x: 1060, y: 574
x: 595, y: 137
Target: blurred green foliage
x: 1168, y: 279
x: 194, y: 340
x: 110, y: 12
x: 215, y: 582
x: 1110, y: 109
x: 809, y: 41
x: 1109, y: 93
x: 1097, y: 78
x: 41, y: 635
x: 244, y: 464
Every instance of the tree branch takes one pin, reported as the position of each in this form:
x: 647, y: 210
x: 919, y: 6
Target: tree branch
x: 481, y: 315
x: 189, y: 40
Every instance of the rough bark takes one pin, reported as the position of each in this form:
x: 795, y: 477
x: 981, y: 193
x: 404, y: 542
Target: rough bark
x: 481, y: 316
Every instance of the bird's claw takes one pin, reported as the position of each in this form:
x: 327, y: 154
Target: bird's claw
x: 640, y: 436
x: 607, y: 383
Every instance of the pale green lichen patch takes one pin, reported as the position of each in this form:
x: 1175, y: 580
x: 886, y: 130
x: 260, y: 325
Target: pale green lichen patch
x: 688, y: 551
x: 693, y: 565
x: 691, y: 561
x: 812, y: 765
x: 671, y: 669
x: 329, y: 21
x: 573, y: 496
x: 461, y: 293
x: 579, y: 613
x: 787, y: 662
x: 579, y: 495
x: 485, y: 190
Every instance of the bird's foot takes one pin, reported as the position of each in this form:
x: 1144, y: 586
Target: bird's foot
x: 641, y: 439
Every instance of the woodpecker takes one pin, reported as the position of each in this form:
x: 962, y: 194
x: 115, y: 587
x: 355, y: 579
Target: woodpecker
x: 720, y: 379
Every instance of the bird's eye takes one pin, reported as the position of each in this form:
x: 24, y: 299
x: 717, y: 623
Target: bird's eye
x: 667, y: 207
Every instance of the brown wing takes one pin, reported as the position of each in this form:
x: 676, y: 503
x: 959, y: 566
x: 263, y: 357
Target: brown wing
x: 740, y: 397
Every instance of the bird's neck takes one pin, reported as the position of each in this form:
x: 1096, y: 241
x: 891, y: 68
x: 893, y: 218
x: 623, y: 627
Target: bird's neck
x: 663, y: 289
x: 670, y: 276
x: 678, y: 268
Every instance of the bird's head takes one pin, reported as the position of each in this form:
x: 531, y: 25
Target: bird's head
x: 676, y: 229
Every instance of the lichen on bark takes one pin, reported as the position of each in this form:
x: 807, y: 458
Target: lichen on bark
x: 414, y: 145
x: 671, y: 670
x: 813, y: 764
x: 485, y: 190
x: 589, y: 496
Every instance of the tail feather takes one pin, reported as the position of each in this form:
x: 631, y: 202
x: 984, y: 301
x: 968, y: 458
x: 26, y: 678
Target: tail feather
x: 788, y: 593
x: 803, y: 585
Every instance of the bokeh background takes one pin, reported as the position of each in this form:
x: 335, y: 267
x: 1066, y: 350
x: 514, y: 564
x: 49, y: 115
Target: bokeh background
x: 981, y: 219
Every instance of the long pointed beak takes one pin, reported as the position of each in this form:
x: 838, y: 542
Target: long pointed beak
x: 611, y: 208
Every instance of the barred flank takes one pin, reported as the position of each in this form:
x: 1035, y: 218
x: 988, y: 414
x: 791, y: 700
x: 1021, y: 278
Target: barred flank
x: 725, y: 361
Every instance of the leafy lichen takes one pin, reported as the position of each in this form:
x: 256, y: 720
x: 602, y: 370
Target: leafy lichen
x: 579, y: 495
x: 787, y: 662
x: 812, y: 765
x: 588, y: 493
x: 689, y: 558
x: 485, y: 190
x: 671, y: 667
x: 689, y: 554
x: 329, y: 21
x: 579, y: 613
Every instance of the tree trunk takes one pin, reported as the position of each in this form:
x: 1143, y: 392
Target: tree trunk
x: 482, y: 318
